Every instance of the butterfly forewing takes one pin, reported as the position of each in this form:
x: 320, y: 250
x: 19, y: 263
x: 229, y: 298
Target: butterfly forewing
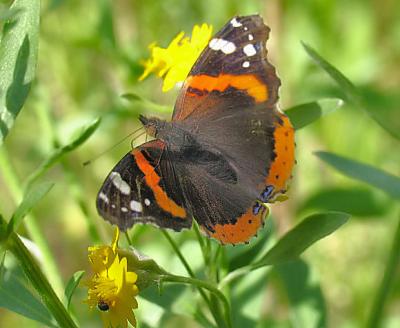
x: 141, y: 188
x: 234, y: 65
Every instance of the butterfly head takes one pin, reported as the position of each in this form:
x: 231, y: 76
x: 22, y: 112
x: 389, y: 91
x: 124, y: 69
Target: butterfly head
x: 152, y: 125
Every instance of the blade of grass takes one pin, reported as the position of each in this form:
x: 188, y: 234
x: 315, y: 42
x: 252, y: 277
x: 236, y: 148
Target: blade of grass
x: 363, y: 172
x: 73, y: 282
x: 350, y: 91
x: 386, y: 118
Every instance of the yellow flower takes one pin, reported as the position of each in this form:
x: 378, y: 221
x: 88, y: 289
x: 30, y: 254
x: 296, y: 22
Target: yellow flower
x: 112, y: 287
x: 174, y: 62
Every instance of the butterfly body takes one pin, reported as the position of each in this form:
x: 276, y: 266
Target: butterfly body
x: 227, y: 149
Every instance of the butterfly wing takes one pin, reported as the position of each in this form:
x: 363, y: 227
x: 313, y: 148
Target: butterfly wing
x: 232, y: 69
x: 142, y: 189
x: 228, y: 102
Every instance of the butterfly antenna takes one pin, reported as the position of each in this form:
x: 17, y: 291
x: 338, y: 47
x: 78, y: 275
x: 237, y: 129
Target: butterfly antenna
x: 115, y: 145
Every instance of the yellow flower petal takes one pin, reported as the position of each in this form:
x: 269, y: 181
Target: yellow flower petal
x: 112, y: 287
x: 174, y: 62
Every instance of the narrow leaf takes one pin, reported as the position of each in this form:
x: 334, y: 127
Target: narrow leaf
x: 387, y: 118
x: 343, y: 82
x: 305, y: 114
x: 363, y: 172
x: 132, y: 97
x: 71, y: 286
x: 15, y: 297
x: 384, y: 109
x: 31, y: 198
x: 18, y: 58
x: 306, y: 233
x: 58, y: 153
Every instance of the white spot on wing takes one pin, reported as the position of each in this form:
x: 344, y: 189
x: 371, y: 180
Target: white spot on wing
x: 245, y: 28
x: 135, y: 206
x: 104, y: 197
x: 249, y: 50
x: 147, y: 202
x: 235, y: 23
x: 228, y: 48
x: 112, y: 205
x: 225, y: 46
x: 251, y: 37
x: 246, y: 64
x: 119, y: 183
x: 124, y: 209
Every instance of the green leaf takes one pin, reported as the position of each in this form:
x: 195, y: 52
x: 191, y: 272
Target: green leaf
x: 350, y: 91
x: 306, y: 233
x: 361, y: 202
x: 384, y: 109
x: 73, y: 282
x: 15, y: 297
x: 308, y: 306
x: 31, y: 198
x: 132, y: 97
x: 363, y: 172
x: 387, y: 118
x: 148, y: 104
x: 60, y: 152
x: 18, y: 58
x: 305, y: 114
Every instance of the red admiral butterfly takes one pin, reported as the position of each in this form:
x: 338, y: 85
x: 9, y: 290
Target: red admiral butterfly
x: 227, y: 150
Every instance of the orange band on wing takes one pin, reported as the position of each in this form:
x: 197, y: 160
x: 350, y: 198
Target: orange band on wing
x: 246, y: 82
x: 152, y: 179
x: 281, y: 168
x: 242, y: 230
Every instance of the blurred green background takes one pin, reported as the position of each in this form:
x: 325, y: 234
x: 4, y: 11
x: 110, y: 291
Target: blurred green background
x: 90, y: 53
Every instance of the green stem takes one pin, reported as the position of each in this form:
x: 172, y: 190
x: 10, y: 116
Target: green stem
x: 39, y: 281
x: 30, y: 222
x: 233, y: 275
x: 179, y: 253
x: 387, y: 282
x: 189, y: 270
x: 128, y: 239
x: 201, y: 241
x: 205, y: 285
